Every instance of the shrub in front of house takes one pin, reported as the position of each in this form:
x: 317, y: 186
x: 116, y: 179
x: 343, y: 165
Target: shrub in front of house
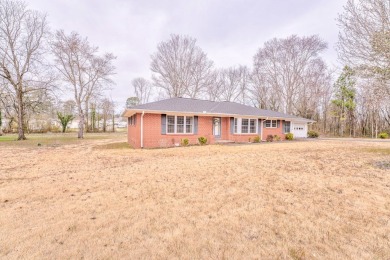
x: 312, y: 134
x: 202, y: 140
x: 277, y: 138
x: 289, y: 136
x: 256, y: 139
x: 384, y: 135
x: 185, y: 142
x: 270, y: 138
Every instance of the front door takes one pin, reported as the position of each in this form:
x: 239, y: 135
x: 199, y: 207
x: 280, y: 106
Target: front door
x: 217, y: 127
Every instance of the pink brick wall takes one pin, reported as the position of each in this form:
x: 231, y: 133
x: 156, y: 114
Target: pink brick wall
x: 154, y: 138
x: 134, y: 133
x: 273, y: 131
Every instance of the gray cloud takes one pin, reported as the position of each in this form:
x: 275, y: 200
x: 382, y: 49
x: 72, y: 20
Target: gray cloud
x: 230, y: 31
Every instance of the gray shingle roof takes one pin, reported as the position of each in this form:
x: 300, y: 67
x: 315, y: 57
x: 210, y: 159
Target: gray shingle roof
x: 197, y: 106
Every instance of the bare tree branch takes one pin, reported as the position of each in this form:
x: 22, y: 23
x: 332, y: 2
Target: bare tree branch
x: 181, y: 68
x: 86, y: 73
x: 22, y: 38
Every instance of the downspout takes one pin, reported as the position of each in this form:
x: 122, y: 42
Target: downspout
x: 142, y: 129
x: 262, y: 128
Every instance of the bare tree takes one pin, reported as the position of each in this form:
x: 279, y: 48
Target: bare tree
x: 214, y: 89
x: 22, y: 37
x: 282, y: 68
x: 364, y: 36
x: 69, y: 107
x: 8, y: 105
x: 107, y: 106
x: 86, y: 73
x: 316, y: 82
x: 234, y: 84
x: 181, y: 68
x: 142, y: 89
x: 230, y: 84
x: 364, y: 45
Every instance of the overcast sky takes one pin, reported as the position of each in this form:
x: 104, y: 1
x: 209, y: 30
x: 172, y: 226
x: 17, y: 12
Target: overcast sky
x: 229, y: 31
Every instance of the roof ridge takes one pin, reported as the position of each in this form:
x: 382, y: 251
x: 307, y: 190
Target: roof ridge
x: 206, y: 100
x: 194, y: 105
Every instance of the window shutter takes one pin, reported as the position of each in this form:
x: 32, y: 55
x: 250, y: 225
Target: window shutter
x: 259, y: 126
x: 134, y: 119
x: 284, y: 126
x: 264, y: 123
x: 195, y: 124
x: 232, y: 125
x: 128, y: 121
x: 163, y: 124
x: 278, y: 123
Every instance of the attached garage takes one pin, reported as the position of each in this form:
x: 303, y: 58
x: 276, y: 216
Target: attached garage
x: 299, y: 129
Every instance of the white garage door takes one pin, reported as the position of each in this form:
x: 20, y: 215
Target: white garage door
x: 299, y: 130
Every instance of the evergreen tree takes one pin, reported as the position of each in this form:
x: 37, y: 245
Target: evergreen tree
x: 132, y: 101
x: 344, y: 101
x: 64, y: 120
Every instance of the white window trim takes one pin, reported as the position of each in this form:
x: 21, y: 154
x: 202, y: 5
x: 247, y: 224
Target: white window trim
x: 256, y: 126
x: 184, y: 126
x: 239, y: 126
x: 284, y: 127
x: 276, y: 125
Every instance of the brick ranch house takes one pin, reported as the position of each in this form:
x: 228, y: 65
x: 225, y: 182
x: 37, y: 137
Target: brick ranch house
x: 165, y: 123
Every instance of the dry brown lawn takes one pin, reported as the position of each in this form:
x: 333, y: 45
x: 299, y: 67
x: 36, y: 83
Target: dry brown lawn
x: 286, y: 200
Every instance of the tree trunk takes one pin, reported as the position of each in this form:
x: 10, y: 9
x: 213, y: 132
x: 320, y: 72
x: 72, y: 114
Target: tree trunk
x: 81, y: 125
x: 20, y: 115
x: 1, y: 124
x: 86, y: 116
x: 98, y: 122
x: 376, y: 129
x: 113, y: 123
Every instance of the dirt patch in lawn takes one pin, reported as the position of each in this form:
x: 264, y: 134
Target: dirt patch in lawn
x: 314, y: 200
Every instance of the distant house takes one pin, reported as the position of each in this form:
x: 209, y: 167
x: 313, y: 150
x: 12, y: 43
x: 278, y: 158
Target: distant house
x: 166, y: 122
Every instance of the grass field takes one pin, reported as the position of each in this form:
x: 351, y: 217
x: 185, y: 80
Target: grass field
x: 58, y: 139
x: 99, y: 199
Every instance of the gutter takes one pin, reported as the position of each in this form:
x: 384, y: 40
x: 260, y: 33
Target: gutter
x: 142, y: 129
x: 134, y: 111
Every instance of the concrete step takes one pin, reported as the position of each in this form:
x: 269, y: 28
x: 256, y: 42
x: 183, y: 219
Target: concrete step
x: 224, y: 142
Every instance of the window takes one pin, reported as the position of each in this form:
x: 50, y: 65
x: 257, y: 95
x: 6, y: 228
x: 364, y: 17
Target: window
x: 244, y: 126
x: 189, y: 123
x: 180, y: 124
x: 131, y: 120
x: 252, y: 126
x: 287, y: 126
x: 270, y: 123
x: 170, y: 124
